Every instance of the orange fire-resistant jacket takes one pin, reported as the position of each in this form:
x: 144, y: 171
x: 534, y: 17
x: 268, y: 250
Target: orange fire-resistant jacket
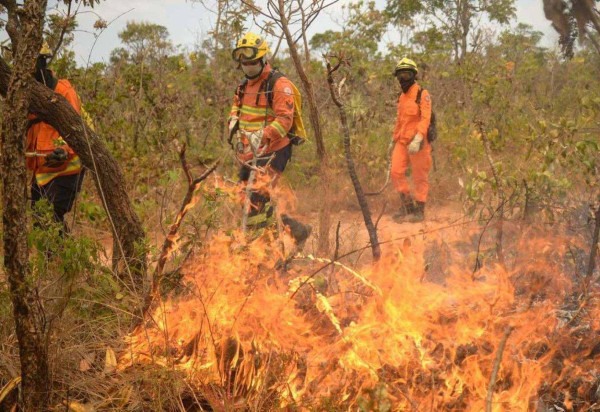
x: 412, y: 119
x: 43, y: 138
x: 277, y: 120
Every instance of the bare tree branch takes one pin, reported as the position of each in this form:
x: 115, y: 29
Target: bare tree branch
x: 169, y: 243
x: 490, y: 392
x: 62, y: 32
x: 362, y: 200
x: 13, y: 24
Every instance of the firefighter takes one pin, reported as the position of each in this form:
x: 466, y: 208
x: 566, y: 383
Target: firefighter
x: 411, y: 144
x: 57, y: 172
x: 262, y: 118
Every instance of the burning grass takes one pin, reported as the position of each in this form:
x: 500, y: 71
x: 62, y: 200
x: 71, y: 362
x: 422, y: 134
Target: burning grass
x: 245, y: 336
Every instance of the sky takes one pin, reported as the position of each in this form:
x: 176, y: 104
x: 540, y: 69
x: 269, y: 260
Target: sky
x: 188, y: 23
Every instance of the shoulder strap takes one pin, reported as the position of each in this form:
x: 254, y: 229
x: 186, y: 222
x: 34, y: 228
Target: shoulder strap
x: 261, y: 89
x: 266, y: 86
x: 271, y: 80
x: 240, y: 93
x: 418, y: 99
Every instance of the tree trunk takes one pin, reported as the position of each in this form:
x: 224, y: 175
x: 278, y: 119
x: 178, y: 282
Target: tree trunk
x: 306, y: 85
x: 324, y: 212
x: 30, y: 323
x: 360, y: 194
x: 110, y: 183
x: 464, y: 16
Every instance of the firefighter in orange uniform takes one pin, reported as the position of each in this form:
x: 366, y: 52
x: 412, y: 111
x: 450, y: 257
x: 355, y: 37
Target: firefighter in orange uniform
x: 57, y: 171
x: 263, y: 126
x: 411, y: 144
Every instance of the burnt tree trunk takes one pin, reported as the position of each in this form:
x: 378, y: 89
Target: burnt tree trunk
x: 360, y: 194
x: 127, y: 229
x: 30, y: 323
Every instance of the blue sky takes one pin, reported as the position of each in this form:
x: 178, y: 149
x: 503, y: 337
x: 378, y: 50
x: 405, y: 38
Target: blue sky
x: 188, y: 23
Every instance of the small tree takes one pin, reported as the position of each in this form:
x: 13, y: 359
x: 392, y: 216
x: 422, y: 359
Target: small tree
x: 456, y: 19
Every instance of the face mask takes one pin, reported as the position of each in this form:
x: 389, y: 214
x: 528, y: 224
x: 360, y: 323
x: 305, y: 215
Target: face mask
x: 42, y: 74
x: 254, y: 70
x: 406, y: 79
x: 40, y: 68
x: 405, y: 84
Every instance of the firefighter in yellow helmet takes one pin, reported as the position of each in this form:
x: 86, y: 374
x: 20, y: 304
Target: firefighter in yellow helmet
x: 251, y: 52
x: 57, y: 171
x: 261, y: 120
x: 411, y: 147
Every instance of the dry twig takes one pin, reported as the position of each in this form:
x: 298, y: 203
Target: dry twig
x: 169, y: 243
x: 497, y: 362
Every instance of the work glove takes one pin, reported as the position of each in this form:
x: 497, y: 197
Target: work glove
x: 233, y: 124
x: 415, y: 144
x: 56, y: 158
x: 256, y: 141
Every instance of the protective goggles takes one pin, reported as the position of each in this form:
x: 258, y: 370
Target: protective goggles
x: 405, y: 75
x: 244, y: 53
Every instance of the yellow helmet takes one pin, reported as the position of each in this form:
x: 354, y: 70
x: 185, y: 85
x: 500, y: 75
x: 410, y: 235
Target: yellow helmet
x: 250, y: 47
x: 45, y: 50
x: 406, y: 64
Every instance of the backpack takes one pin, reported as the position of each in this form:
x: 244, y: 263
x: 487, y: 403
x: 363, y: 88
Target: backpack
x: 297, y: 133
x: 432, y: 130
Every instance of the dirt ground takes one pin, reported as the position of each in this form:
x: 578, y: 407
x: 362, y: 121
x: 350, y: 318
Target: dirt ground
x: 353, y: 234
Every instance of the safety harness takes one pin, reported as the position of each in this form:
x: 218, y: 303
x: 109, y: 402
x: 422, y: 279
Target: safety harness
x: 296, y: 134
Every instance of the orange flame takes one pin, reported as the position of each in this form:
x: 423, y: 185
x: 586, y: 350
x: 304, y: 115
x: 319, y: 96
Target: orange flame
x: 256, y: 333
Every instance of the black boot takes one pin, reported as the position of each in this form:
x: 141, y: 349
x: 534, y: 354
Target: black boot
x: 419, y: 214
x: 407, y: 206
x: 299, y: 231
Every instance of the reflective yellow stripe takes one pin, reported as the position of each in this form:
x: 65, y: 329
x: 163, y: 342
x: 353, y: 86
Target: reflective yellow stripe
x: 256, y: 219
x: 251, y: 126
x: 252, y: 119
x: 45, y: 178
x: 260, y: 220
x: 278, y: 127
x: 257, y: 111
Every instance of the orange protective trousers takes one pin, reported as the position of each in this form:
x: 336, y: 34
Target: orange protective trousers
x: 420, y: 164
